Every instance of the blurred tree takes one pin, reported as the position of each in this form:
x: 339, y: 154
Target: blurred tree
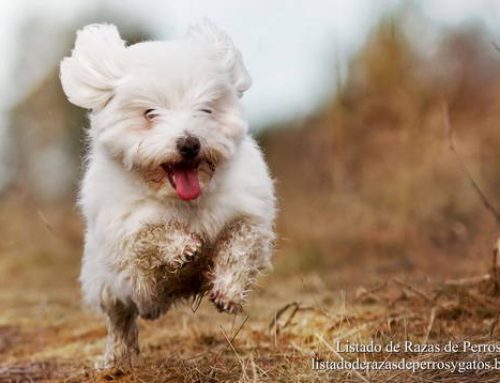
x: 373, y: 166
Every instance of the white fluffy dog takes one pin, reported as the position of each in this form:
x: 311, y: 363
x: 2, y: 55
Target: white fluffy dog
x: 177, y: 198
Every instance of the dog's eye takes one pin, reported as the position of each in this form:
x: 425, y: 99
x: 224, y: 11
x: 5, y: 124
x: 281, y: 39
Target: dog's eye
x: 206, y: 110
x: 151, y: 114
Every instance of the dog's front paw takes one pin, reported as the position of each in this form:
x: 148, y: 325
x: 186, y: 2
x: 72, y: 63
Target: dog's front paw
x: 191, y: 250
x: 225, y: 304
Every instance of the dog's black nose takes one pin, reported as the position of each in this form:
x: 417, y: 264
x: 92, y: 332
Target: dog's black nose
x: 188, y: 147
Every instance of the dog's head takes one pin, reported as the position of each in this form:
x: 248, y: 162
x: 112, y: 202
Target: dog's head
x: 168, y: 111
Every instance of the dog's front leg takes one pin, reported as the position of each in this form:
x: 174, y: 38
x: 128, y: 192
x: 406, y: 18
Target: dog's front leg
x: 122, y: 346
x: 170, y: 245
x: 240, y: 254
x: 155, y: 252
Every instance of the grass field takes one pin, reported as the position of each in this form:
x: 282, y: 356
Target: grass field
x: 297, y: 314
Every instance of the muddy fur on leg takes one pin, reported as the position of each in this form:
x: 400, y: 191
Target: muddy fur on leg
x: 240, y: 254
x: 164, y: 262
x: 122, y: 346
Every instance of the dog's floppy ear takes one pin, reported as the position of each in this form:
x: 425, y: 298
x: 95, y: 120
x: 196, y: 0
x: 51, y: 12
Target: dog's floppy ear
x: 89, y: 75
x: 207, y: 33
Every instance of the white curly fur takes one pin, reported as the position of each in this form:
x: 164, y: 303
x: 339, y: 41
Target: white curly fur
x: 145, y: 247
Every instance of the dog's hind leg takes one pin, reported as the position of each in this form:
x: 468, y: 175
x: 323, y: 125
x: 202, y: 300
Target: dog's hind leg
x: 241, y: 253
x: 122, y: 346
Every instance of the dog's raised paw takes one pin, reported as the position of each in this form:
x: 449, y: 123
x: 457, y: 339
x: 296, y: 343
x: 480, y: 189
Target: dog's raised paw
x: 224, y: 304
x: 191, y: 250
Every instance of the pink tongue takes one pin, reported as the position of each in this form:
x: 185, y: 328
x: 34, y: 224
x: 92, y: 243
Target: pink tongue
x: 187, y: 185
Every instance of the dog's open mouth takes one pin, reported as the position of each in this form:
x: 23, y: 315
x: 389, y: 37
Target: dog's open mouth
x: 183, y: 176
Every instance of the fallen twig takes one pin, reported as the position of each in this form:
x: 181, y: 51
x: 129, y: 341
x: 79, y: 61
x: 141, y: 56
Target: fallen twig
x: 239, y: 329
x: 468, y: 281
x: 494, y: 325
x: 413, y: 290
x: 240, y: 360
x: 428, y: 330
x: 362, y: 293
x: 296, y: 307
x: 281, y: 311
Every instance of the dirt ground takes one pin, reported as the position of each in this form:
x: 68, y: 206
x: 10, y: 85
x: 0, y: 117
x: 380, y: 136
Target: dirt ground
x: 297, y: 313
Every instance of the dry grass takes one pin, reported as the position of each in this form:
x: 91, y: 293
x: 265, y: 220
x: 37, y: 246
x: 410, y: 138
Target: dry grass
x: 45, y: 336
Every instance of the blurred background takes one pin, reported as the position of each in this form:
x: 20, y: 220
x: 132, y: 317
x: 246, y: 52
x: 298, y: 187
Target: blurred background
x: 347, y: 102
